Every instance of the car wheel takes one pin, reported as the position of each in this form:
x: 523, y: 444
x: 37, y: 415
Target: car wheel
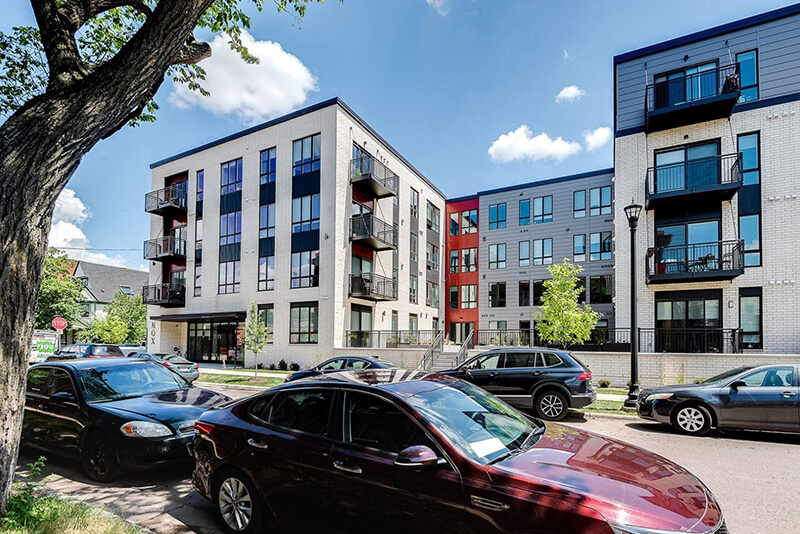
x: 551, y: 405
x: 238, y: 504
x: 99, y: 458
x: 692, y: 419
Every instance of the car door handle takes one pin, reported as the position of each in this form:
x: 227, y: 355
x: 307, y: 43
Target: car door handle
x: 492, y: 375
x: 341, y: 467
x: 788, y: 394
x: 43, y: 407
x: 537, y: 373
x: 257, y: 444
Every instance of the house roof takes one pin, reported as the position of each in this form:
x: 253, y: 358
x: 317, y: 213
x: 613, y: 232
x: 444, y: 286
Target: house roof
x: 104, y: 280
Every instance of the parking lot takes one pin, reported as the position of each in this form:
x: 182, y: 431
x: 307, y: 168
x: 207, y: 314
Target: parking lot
x: 753, y: 475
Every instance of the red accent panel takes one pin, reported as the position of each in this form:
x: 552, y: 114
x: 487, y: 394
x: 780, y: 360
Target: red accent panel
x: 459, y: 279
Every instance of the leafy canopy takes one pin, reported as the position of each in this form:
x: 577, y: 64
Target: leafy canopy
x: 109, y: 329
x: 60, y: 293
x: 132, y: 311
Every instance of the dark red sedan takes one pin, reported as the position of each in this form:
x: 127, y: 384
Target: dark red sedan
x: 393, y: 451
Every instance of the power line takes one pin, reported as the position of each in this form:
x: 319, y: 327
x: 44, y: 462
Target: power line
x: 100, y: 249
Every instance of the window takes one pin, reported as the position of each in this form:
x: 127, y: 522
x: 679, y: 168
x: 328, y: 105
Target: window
x: 37, y: 379
x: 538, y: 292
x: 776, y: 377
x: 230, y: 277
x: 578, y: 204
x: 432, y: 213
x: 231, y: 177
x: 750, y: 233
x: 305, y: 269
x: 469, y: 260
x: 600, y: 246
x: 491, y: 361
x: 469, y: 297
x: 748, y: 73
x: 266, y: 273
x: 306, y: 155
x: 581, y: 285
x: 497, y: 256
x: 749, y: 146
x: 303, y: 325
x: 524, y: 293
x: 469, y: 222
x: 432, y: 256
x: 454, y: 224
x: 305, y: 213
x: 687, y: 167
x: 414, y: 246
x: 750, y: 316
x: 268, y: 165
x: 579, y: 248
x: 524, y: 253
x: 304, y: 411
x: 498, y: 325
x: 126, y: 289
x: 515, y: 360
x: 198, y: 278
x: 413, y: 322
x: 266, y: 314
x: 542, y: 209
x: 452, y: 297
x: 230, y: 228
x: 600, y: 201
x: 497, y: 295
x: 524, y: 212
x: 200, y: 183
x: 266, y: 221
x: 413, y: 288
x: 497, y: 216
x: 600, y: 289
x: 454, y: 261
x: 414, y: 203
x: 432, y: 294
x: 542, y: 251
x: 374, y: 423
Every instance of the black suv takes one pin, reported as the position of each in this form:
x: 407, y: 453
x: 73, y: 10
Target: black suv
x: 87, y: 350
x: 550, y: 381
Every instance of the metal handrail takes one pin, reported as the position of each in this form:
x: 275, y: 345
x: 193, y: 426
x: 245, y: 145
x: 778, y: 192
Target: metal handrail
x: 173, y: 195
x: 695, y: 174
x: 373, y: 284
x: 163, y: 293
x: 164, y: 246
x: 469, y: 343
x: 429, y: 358
x: 368, y: 225
x: 374, y: 169
x: 382, y: 339
x: 691, y: 88
x: 696, y: 258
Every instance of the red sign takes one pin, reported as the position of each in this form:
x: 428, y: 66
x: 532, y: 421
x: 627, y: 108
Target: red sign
x: 59, y: 323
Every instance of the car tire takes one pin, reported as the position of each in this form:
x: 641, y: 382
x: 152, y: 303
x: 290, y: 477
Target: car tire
x: 551, y: 405
x: 237, y: 502
x: 691, y: 419
x: 99, y: 458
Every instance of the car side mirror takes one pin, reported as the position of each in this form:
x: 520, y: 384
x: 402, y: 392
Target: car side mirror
x: 416, y: 457
x: 737, y: 384
x: 63, y: 397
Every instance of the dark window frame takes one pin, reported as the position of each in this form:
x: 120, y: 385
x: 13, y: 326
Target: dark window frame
x: 545, y: 216
x: 498, y: 263
x: 542, y: 259
x: 311, y: 335
x: 270, y: 174
x: 601, y: 209
x: 758, y: 78
x: 757, y: 169
x: 525, y: 220
x: 227, y: 187
x: 311, y: 279
x: 751, y: 252
x: 303, y: 166
x: 498, y: 223
x: 578, y: 213
x: 500, y: 299
x: 751, y: 292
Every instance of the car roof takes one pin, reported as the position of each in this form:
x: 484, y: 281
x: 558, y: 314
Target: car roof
x: 403, y: 383
x: 89, y: 363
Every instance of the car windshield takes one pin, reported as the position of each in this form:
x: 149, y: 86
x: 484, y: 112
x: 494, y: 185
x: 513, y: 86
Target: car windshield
x: 726, y: 375
x: 102, y: 384
x: 480, y: 425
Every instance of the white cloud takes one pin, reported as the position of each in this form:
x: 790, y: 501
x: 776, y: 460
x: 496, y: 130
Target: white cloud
x: 566, y: 55
x: 597, y: 138
x: 441, y: 6
x: 279, y: 83
x: 522, y: 144
x: 66, y: 230
x: 570, y: 93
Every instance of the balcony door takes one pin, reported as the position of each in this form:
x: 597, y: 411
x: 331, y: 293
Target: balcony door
x: 689, y: 247
x: 687, y: 167
x: 178, y: 235
x: 685, y: 85
x: 360, y: 326
x: 689, y: 325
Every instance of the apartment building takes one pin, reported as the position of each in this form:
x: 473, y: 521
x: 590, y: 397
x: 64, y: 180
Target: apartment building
x: 314, y: 217
x: 707, y: 127
x: 463, y: 281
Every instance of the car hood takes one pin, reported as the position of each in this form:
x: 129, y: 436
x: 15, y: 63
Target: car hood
x: 174, y: 408
x: 627, y: 485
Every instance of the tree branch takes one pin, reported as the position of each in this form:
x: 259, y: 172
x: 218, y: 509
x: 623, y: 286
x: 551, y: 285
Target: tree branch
x: 63, y: 58
x: 192, y: 52
x: 79, y: 12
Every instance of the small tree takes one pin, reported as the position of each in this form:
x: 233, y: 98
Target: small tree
x: 110, y: 329
x: 132, y: 311
x: 59, y: 293
x: 256, y: 334
x: 562, y: 320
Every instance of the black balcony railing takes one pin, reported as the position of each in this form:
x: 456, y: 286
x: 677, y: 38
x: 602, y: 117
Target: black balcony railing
x: 169, y: 198
x: 717, y: 175
x: 719, y: 260
x: 167, y: 295
x: 601, y: 339
x: 372, y: 286
x: 164, y: 248
x: 375, y: 176
x: 390, y: 339
x: 373, y: 232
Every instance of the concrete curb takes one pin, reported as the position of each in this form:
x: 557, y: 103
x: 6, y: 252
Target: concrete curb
x: 241, y: 373
x: 601, y: 415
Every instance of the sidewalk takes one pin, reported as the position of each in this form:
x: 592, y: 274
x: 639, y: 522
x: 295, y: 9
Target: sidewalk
x: 217, y: 370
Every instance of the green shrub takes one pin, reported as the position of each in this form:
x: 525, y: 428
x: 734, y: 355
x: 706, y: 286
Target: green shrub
x: 282, y: 366
x: 23, y: 497
x: 294, y: 366
x: 604, y: 383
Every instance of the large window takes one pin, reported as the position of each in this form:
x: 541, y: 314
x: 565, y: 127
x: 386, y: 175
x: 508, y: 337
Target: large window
x: 433, y: 215
x: 497, y: 295
x: 538, y: 292
x: 600, y: 289
x: 542, y: 209
x: 750, y: 316
x: 524, y: 293
x: 413, y: 288
x: 579, y: 247
x: 750, y: 233
x: 414, y: 201
x: 524, y: 212
x: 231, y: 177
x: 469, y: 260
x: 230, y: 277
x: 268, y: 165
x: 497, y: 256
x: 201, y: 178
x: 497, y: 216
x: 305, y: 213
x: 414, y: 246
x: 305, y: 269
x: 749, y: 146
x: 748, y: 72
x: 303, y: 323
x: 454, y: 261
x: 454, y: 224
x: 266, y: 221
x: 432, y: 294
x: 198, y: 278
x: 266, y: 314
x: 579, y: 204
x: 600, y: 201
x: 469, y: 222
x: 600, y: 246
x: 524, y: 253
x: 469, y: 296
x: 266, y: 273
x: 452, y: 297
x: 306, y: 155
x: 230, y: 228
x: 543, y: 251
x: 432, y: 256
x: 687, y: 167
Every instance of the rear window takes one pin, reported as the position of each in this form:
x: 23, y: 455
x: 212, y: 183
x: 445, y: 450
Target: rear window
x: 578, y: 360
x: 110, y: 350
x: 550, y: 359
x: 176, y: 360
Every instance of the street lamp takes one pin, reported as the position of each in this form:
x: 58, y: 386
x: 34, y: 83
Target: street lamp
x: 632, y: 212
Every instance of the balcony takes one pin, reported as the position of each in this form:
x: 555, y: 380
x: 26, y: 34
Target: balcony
x: 166, y: 249
x: 391, y: 339
x: 373, y: 177
x: 373, y: 233
x: 691, y: 340
x: 371, y: 286
x: 692, y: 98
x: 167, y: 201
x: 706, y: 180
x: 720, y: 260
x: 165, y: 295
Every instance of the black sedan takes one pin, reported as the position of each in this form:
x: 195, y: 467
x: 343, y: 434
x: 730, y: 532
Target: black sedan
x: 748, y: 398
x: 113, y: 414
x: 348, y: 363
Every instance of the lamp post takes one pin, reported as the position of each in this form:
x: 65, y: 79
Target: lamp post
x: 632, y: 212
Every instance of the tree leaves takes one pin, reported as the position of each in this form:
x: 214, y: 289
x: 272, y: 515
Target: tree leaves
x: 60, y: 293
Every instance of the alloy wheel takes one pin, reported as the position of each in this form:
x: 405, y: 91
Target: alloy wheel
x: 235, y: 504
x: 691, y: 419
x: 551, y: 405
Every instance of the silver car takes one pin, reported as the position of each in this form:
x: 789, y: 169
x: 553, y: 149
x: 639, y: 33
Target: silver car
x: 188, y: 370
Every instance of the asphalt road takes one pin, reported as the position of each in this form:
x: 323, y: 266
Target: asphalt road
x: 755, y: 476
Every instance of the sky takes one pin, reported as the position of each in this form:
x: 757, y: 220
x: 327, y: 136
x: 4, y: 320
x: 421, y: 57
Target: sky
x: 477, y: 94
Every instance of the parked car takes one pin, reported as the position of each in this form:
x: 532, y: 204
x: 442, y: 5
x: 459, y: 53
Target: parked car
x: 188, y: 370
x: 86, y: 350
x: 396, y: 451
x: 749, y: 398
x: 334, y: 365
x: 115, y: 415
x: 547, y: 380
x: 130, y: 348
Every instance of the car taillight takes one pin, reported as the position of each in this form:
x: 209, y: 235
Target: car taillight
x: 167, y: 365
x: 203, y: 428
x: 586, y: 375
x: 197, y: 367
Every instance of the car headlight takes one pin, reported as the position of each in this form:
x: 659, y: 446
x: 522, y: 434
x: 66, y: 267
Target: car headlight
x: 658, y: 396
x: 145, y: 429
x: 618, y: 529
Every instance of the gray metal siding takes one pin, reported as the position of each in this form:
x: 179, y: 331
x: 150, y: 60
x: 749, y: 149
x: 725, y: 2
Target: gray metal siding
x: 778, y: 45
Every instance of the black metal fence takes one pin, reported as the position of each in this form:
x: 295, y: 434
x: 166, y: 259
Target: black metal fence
x: 164, y: 246
x: 696, y: 259
x: 391, y: 339
x: 692, y: 88
x: 369, y: 167
x: 173, y: 196
x: 694, y: 174
x: 372, y: 286
x: 368, y: 225
x: 164, y: 294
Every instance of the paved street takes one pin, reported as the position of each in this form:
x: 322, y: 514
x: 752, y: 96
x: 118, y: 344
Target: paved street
x: 753, y: 475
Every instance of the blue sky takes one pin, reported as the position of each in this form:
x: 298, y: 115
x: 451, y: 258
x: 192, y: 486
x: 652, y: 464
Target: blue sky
x: 441, y: 80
